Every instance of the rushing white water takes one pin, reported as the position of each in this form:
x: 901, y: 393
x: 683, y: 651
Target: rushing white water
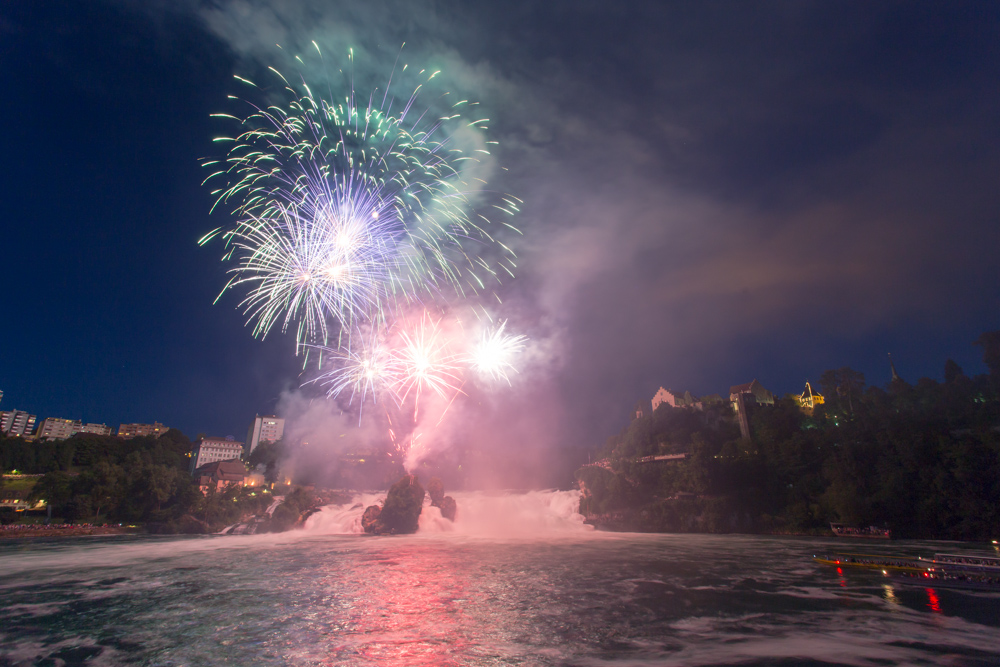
x: 480, y: 513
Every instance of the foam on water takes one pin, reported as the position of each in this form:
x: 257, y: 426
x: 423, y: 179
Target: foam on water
x: 342, y: 519
x: 499, y: 514
x: 554, y: 594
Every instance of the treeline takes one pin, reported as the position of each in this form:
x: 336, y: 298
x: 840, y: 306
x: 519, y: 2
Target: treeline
x: 922, y: 459
x: 144, y: 480
x: 172, y: 449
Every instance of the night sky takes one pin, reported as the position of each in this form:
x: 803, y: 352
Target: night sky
x: 713, y: 192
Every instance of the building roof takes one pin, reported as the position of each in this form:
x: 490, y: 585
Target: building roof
x: 741, y: 388
x: 220, y: 441
x: 222, y: 470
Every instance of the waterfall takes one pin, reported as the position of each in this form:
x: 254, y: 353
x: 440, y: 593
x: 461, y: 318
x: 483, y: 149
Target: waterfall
x: 480, y: 513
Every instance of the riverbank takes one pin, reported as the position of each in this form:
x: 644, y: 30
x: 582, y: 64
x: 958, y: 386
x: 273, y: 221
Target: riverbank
x: 693, y: 516
x: 65, y: 530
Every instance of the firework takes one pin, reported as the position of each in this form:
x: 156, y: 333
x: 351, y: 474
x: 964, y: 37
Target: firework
x: 413, y: 358
x: 427, y: 361
x: 494, y: 353
x: 365, y: 370
x: 351, y: 213
x: 348, y: 211
x: 297, y: 271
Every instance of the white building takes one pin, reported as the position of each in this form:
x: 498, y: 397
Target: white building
x: 54, y: 428
x: 96, y: 429
x: 17, y: 423
x: 264, y: 429
x: 210, y: 450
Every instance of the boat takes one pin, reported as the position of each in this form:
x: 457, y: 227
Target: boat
x: 879, y: 562
x: 843, y: 530
x: 961, y: 579
x: 968, y: 563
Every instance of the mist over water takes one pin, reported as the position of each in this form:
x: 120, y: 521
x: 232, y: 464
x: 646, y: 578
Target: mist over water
x: 516, y: 580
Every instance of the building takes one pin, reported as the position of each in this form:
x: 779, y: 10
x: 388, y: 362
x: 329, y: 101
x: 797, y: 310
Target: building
x: 220, y: 475
x: 742, y: 396
x: 156, y: 429
x: 264, y: 429
x: 18, y: 500
x: 54, y: 428
x: 17, y: 423
x: 808, y: 400
x: 210, y: 450
x: 96, y: 429
x: 752, y: 391
x: 675, y: 399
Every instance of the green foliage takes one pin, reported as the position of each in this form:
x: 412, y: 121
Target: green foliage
x: 85, y: 450
x: 843, y: 387
x: 218, y: 509
x: 143, y: 480
x: 55, y: 488
x: 267, y: 454
x: 105, y: 479
x: 921, y: 459
x: 287, y: 514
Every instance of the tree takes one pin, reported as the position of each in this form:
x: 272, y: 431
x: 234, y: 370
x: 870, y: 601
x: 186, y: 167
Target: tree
x: 952, y: 371
x: 161, y: 484
x: 55, y: 488
x: 990, y: 342
x: 844, y: 383
x: 267, y: 454
x: 102, y: 486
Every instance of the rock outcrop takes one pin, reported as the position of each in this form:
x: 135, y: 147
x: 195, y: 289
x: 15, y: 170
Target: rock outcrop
x: 449, y: 508
x: 369, y: 520
x: 447, y: 504
x: 400, y: 513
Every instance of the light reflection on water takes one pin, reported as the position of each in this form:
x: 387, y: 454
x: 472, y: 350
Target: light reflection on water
x: 581, y: 598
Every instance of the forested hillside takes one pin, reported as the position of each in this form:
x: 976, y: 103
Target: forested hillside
x: 922, y: 459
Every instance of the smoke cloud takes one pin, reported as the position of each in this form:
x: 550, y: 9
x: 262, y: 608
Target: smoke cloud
x: 697, y: 212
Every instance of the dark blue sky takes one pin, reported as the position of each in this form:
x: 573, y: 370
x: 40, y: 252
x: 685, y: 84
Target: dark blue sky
x: 713, y: 192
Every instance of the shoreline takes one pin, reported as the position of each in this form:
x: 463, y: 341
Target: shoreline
x: 29, y: 530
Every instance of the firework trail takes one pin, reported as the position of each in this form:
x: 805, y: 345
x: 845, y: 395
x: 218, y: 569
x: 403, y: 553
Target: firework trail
x: 348, y: 211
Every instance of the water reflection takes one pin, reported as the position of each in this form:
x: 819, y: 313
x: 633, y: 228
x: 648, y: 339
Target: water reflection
x: 405, y: 609
x: 932, y: 601
x: 448, y: 599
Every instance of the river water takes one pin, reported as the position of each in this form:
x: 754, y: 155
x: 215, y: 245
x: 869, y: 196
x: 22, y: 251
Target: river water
x: 518, y: 580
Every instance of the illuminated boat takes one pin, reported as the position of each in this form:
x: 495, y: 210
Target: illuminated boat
x: 962, y: 579
x: 843, y: 530
x: 967, y: 563
x: 882, y: 563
